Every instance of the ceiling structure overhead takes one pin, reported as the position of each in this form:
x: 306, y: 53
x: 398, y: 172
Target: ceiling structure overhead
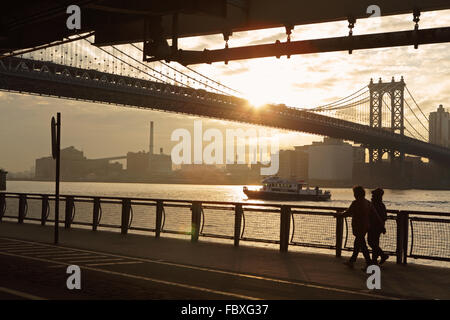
x: 29, y: 24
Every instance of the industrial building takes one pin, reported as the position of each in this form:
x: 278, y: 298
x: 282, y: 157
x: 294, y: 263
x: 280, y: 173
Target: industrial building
x: 144, y: 164
x: 75, y: 166
x: 137, y: 163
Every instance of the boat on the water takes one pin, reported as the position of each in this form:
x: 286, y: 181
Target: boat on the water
x: 275, y: 188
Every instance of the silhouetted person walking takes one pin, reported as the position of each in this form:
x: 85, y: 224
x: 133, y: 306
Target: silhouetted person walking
x: 377, y: 227
x: 359, y: 210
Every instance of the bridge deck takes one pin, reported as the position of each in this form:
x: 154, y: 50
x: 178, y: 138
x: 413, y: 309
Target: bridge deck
x: 306, y: 274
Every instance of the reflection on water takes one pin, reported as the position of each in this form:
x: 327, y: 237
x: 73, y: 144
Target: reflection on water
x: 423, y: 200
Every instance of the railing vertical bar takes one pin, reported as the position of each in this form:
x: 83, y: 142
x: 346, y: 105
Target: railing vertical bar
x: 405, y: 237
x: 95, y: 213
x: 44, y: 210
x: 196, y: 217
x: 22, y: 207
x: 285, y: 221
x: 159, y: 213
x: 2, y: 205
x: 399, y: 240
x: 68, y: 212
x: 339, y: 233
x: 237, y: 223
x: 126, y: 207
x: 412, y: 237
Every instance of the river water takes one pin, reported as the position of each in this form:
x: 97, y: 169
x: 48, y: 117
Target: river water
x: 421, y: 200
x: 313, y: 228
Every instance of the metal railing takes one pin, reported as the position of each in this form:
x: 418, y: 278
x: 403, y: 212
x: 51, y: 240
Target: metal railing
x: 414, y: 234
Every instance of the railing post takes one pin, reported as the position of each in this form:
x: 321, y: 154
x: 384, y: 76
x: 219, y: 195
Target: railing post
x: 405, y: 236
x: 44, y: 210
x: 159, y: 213
x: 95, y: 213
x: 126, y: 207
x: 285, y: 227
x: 237, y: 223
x: 400, y: 238
x: 22, y: 207
x: 196, y: 217
x: 2, y: 205
x: 339, y: 233
x: 69, y: 210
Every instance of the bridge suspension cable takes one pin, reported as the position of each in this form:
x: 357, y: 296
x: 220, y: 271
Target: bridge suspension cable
x: 342, y: 103
x: 416, y: 104
x: 84, y: 55
x: 336, y: 103
x: 416, y: 115
x: 115, y: 57
x: 198, y: 73
x: 408, y: 122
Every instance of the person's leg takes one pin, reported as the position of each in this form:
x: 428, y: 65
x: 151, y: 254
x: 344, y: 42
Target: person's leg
x: 371, y: 243
x: 356, y: 247
x: 365, y: 251
x: 381, y: 253
x: 377, y: 241
x: 373, y: 239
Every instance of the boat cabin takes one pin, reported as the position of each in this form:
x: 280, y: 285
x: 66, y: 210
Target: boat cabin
x: 282, y: 185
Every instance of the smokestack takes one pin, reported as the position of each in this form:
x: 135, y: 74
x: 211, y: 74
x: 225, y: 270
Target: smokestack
x: 151, y: 138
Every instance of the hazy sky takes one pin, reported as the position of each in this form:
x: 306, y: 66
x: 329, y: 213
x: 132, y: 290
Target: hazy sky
x: 301, y: 81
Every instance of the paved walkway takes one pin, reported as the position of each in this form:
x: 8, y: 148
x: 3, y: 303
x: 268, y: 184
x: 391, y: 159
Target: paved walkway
x: 221, y: 268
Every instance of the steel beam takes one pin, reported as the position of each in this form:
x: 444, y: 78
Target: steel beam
x: 263, y: 14
x: 369, y: 41
x: 114, y: 21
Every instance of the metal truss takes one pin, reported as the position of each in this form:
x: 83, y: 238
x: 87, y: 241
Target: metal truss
x: 396, y: 92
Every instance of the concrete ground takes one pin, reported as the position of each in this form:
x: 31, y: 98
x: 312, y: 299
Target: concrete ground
x: 168, y: 268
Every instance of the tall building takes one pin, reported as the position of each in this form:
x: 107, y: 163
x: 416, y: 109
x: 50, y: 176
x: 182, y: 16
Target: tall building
x: 300, y: 170
x: 440, y: 127
x: 286, y: 164
x: 294, y: 163
x: 330, y: 161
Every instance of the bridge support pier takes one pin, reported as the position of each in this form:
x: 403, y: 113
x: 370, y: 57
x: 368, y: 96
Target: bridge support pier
x: 395, y: 90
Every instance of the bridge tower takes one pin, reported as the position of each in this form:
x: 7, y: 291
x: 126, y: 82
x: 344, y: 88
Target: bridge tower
x: 395, y: 90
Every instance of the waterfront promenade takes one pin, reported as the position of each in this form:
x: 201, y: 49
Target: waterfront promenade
x: 143, y: 267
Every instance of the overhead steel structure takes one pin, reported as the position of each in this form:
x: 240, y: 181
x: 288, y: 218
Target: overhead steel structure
x: 29, y: 24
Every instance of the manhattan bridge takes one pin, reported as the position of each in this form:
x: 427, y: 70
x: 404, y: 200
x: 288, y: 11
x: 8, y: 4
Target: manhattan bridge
x: 383, y: 115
